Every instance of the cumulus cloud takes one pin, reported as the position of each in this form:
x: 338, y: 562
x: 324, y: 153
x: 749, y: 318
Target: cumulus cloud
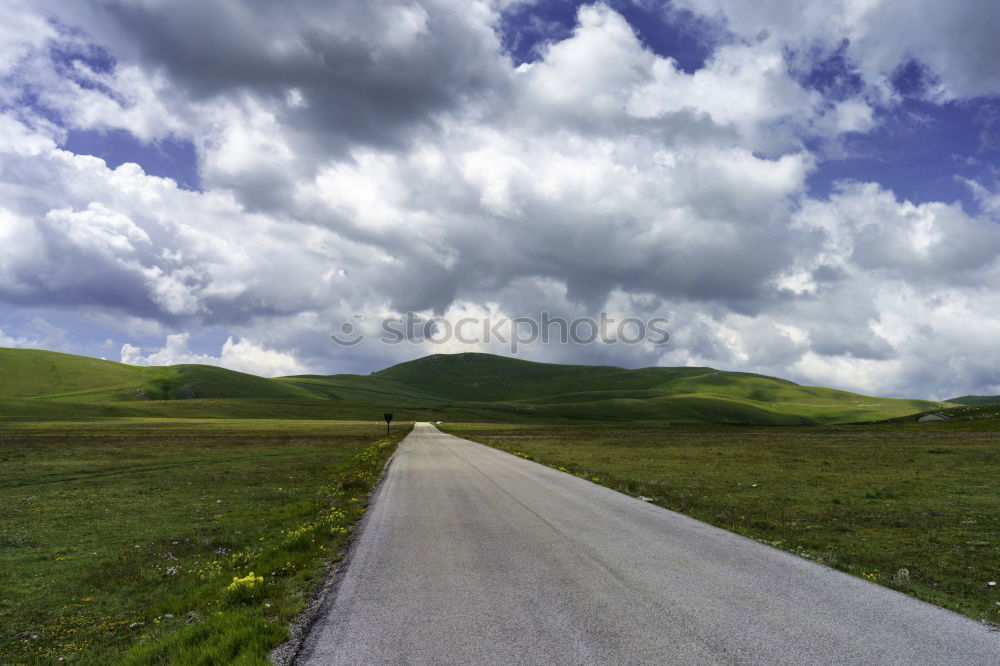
x: 39, y: 334
x: 375, y: 158
x: 10, y: 341
x: 988, y: 198
x: 121, y: 239
x: 866, y: 228
x: 632, y: 210
x: 339, y: 72
x: 240, y: 355
x: 955, y: 41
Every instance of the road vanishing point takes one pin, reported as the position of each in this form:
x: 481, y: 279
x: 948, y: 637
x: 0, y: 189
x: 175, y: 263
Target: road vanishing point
x: 469, y: 555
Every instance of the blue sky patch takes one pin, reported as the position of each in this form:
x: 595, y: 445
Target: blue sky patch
x: 921, y: 150
x: 169, y: 157
x: 668, y: 32
x: 830, y: 73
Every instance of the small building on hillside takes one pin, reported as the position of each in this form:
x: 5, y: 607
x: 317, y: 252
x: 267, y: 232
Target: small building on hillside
x: 933, y: 416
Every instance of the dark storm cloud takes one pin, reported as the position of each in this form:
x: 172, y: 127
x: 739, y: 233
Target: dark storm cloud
x: 858, y: 341
x: 367, y: 71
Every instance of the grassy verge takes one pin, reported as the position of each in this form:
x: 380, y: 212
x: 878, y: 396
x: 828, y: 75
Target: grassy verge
x: 120, y: 542
x: 911, y: 508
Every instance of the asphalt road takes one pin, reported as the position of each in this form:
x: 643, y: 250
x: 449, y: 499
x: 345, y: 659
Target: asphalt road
x: 472, y: 556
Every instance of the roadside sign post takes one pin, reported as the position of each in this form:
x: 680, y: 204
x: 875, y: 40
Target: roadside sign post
x: 388, y: 419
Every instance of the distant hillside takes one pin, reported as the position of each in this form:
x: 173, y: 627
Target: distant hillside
x: 443, y: 386
x: 45, y: 375
x: 609, y: 393
x: 30, y: 373
x: 976, y: 400
x: 984, y: 416
x: 488, y: 378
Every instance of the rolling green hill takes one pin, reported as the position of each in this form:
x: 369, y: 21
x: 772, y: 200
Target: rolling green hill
x: 485, y: 377
x: 976, y: 400
x: 45, y: 375
x: 603, y: 392
x: 360, y: 388
x: 30, y: 373
x: 471, y: 387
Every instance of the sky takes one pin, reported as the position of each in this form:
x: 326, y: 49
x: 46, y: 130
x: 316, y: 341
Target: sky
x: 804, y: 189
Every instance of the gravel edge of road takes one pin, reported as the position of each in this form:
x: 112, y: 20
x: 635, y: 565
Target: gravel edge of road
x: 288, y: 652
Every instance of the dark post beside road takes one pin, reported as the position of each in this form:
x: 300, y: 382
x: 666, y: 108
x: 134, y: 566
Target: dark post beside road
x: 388, y: 419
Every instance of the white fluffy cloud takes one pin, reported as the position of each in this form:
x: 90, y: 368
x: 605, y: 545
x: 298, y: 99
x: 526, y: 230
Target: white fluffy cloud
x: 241, y: 355
x: 955, y: 40
x: 10, y: 341
x: 402, y: 162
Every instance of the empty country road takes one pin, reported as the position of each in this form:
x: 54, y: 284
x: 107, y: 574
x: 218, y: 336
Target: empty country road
x: 469, y: 555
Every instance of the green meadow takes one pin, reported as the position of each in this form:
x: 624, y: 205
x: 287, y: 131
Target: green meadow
x: 910, y: 506
x: 120, y: 539
x: 452, y: 387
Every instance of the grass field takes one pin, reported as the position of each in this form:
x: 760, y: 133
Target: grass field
x: 911, y: 506
x: 120, y: 540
